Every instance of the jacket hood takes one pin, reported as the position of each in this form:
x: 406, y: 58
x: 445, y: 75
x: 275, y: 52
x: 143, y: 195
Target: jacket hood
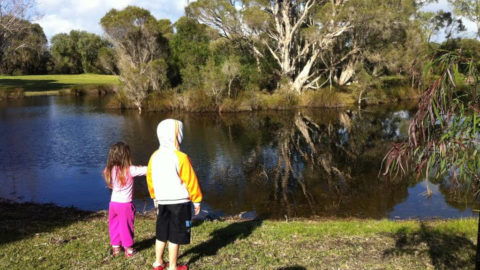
x: 170, y: 134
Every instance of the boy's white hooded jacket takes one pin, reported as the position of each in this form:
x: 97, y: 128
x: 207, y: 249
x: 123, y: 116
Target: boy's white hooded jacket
x: 170, y: 176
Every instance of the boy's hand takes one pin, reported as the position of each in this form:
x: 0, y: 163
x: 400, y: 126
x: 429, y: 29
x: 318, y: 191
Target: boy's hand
x: 197, y: 210
x: 155, y: 204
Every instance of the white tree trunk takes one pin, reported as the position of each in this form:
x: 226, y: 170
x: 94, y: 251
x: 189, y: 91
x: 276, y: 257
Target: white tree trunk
x: 347, y: 74
x: 304, y: 75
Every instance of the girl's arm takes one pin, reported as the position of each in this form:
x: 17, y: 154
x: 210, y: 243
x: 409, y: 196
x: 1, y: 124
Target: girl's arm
x: 138, y: 170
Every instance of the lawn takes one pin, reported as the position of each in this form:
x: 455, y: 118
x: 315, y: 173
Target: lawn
x: 50, y: 237
x: 55, y: 82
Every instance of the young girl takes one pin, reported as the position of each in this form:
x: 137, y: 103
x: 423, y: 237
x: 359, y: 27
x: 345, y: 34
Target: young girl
x: 119, y: 175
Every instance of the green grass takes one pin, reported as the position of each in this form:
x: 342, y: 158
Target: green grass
x: 49, y: 237
x: 55, y: 82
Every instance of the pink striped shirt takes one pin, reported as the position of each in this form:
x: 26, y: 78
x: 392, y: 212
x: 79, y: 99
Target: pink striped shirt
x: 124, y: 194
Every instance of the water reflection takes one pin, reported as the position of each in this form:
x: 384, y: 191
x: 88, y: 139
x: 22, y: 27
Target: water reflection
x: 279, y: 164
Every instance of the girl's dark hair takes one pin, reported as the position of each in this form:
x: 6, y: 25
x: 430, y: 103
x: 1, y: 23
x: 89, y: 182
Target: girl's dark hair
x: 119, y: 157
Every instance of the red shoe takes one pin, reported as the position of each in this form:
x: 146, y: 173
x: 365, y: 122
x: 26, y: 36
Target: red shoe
x: 161, y: 266
x: 129, y: 252
x: 182, y: 267
x: 116, y: 251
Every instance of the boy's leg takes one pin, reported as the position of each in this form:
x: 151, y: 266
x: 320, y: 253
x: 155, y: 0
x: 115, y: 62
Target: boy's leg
x: 173, y: 254
x: 113, y: 225
x: 179, y: 230
x: 126, y: 224
x: 161, y: 236
x: 159, y: 249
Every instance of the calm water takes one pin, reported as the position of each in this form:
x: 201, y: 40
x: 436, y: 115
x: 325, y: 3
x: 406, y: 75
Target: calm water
x: 277, y: 164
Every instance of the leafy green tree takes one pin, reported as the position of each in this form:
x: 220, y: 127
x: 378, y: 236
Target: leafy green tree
x: 381, y: 34
x: 141, y: 43
x: 107, y: 60
x: 14, y: 25
x: 77, y: 52
x: 190, y: 50
x: 214, y: 81
x: 12, y: 15
x: 65, y: 54
x: 433, y: 22
x: 25, y: 50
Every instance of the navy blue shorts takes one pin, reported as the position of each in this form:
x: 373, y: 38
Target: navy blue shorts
x: 174, y: 223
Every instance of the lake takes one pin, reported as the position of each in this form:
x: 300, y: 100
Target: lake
x: 277, y: 165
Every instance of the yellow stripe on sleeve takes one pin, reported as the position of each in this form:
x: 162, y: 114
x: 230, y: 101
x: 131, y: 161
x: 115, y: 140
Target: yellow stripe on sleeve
x: 188, y: 176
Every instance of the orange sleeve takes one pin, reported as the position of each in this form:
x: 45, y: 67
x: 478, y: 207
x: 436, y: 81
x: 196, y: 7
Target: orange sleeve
x: 149, y: 178
x: 188, y: 176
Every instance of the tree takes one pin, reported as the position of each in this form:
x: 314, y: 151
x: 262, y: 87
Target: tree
x: 190, y: 50
x: 25, y: 50
x: 142, y: 46
x: 77, y: 52
x: 107, y: 59
x: 381, y: 33
x: 311, y: 40
x: 214, y: 80
x: 432, y: 22
x: 295, y: 32
x: 65, y: 53
x: 11, y: 14
x: 469, y: 9
x: 231, y: 70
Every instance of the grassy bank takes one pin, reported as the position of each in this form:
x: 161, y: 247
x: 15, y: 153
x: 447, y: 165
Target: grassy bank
x: 49, y: 237
x: 53, y: 84
x: 200, y: 101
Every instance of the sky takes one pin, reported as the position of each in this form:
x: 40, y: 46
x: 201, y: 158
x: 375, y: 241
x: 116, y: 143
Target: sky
x: 61, y: 16
x: 443, y: 5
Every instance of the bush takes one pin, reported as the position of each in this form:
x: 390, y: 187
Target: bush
x: 163, y: 101
x: 280, y: 100
x: 197, y: 101
x: 324, y: 98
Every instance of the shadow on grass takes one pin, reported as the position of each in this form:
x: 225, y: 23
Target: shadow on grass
x: 296, y: 267
x: 33, y: 85
x: 221, y: 238
x: 144, y: 244
x: 446, y: 251
x: 22, y: 220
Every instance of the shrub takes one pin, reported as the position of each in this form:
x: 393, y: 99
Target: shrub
x: 324, y: 98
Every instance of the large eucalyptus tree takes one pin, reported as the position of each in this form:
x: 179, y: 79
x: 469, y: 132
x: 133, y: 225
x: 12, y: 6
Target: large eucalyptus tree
x: 294, y: 32
x: 314, y: 40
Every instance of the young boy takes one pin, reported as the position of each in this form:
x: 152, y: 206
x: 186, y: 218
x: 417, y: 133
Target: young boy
x: 173, y: 186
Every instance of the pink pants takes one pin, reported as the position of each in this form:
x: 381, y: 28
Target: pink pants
x: 121, y: 218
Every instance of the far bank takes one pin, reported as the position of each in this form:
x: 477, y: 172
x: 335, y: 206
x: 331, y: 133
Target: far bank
x: 200, y: 100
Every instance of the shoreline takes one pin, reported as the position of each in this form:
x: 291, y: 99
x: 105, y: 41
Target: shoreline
x: 241, y: 216
x: 256, y: 102
x: 46, y: 237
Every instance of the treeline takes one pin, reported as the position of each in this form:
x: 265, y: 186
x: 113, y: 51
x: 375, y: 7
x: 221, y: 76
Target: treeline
x: 226, y: 49
x: 26, y: 51
x: 222, y: 50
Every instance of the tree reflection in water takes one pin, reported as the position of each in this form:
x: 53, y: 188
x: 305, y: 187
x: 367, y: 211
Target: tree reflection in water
x: 299, y: 164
